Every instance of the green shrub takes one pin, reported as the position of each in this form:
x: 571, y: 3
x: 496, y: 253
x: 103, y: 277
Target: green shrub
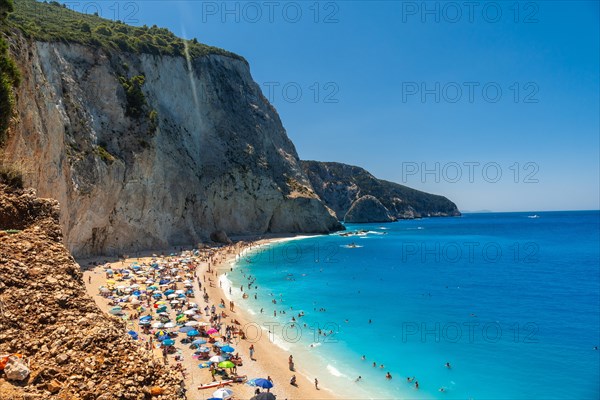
x: 103, y: 30
x: 136, y: 100
x: 104, y: 154
x: 153, y: 117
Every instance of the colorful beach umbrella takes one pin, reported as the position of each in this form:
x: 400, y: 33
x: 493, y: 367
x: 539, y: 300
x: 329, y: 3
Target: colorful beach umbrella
x: 217, y: 359
x: 228, y: 364
x: 199, y: 341
x: 193, y: 333
x: 168, y: 342
x: 227, y: 349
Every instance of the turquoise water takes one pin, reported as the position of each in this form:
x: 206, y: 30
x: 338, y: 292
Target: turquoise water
x: 510, y: 301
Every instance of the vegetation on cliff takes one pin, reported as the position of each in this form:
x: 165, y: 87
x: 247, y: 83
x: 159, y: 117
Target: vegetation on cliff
x: 54, y: 22
x: 9, y: 75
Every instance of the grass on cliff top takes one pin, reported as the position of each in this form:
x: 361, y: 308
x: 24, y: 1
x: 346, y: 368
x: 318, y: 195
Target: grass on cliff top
x: 52, y: 22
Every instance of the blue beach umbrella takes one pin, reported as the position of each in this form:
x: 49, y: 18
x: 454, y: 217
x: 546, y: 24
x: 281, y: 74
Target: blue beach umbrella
x: 263, y: 383
x: 227, y: 349
x: 133, y: 334
x: 157, y: 295
x: 162, y: 338
x: 168, y: 342
x: 186, y: 329
x: 199, y: 341
x: 146, y: 318
x: 193, y: 332
x: 168, y: 292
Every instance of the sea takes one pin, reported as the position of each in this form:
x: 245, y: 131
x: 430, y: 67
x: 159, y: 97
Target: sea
x: 483, y: 306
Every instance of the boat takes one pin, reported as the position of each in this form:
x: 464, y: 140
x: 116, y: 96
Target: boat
x: 533, y: 216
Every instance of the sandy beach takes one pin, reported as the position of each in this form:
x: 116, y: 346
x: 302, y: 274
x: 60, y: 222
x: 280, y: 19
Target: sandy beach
x: 269, y: 359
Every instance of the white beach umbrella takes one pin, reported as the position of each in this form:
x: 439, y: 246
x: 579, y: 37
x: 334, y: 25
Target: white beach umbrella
x: 158, y: 325
x: 170, y: 325
x: 189, y: 312
x: 217, y: 359
x: 222, y: 393
x: 192, y: 323
x: 180, y: 291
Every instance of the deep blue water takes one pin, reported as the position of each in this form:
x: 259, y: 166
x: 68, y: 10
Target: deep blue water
x: 511, y: 302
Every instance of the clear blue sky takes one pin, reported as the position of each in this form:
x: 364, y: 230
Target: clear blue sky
x: 371, y: 62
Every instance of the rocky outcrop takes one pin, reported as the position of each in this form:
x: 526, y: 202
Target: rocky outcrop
x: 346, y: 188
x: 367, y: 209
x: 208, y: 152
x: 72, y: 349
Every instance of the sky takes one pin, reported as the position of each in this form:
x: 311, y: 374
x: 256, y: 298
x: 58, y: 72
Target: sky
x: 494, y: 105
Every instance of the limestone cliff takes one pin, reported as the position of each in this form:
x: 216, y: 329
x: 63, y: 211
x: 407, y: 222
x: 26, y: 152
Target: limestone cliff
x: 357, y: 196
x: 204, y: 151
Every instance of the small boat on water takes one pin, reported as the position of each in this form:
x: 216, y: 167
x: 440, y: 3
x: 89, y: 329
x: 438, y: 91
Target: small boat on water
x: 533, y: 216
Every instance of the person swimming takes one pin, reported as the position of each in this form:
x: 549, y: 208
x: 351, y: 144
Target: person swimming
x: 388, y: 376
x: 358, y: 379
x: 448, y: 365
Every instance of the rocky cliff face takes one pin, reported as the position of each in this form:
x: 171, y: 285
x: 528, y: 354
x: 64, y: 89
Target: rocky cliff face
x: 214, y: 156
x: 73, y: 350
x: 357, y: 196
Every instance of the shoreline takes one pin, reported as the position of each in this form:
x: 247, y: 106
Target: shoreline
x: 270, y: 359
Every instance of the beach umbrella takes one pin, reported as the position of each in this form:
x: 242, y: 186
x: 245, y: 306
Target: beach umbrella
x: 144, y: 322
x: 263, y: 383
x: 160, y: 333
x: 202, y: 349
x: 205, y: 365
x: 168, y: 342
x: 228, y: 364
x: 170, y: 325
x: 109, y: 271
x: 133, y: 334
x: 169, y: 291
x: 163, y: 314
x: 180, y: 317
x: 223, y: 393
x: 189, y: 312
x: 162, y: 337
x: 174, y: 301
x: 199, y: 341
x: 212, y: 331
x: 158, y: 325
x: 193, y: 333
x: 145, y: 318
x: 227, y: 349
x: 264, y: 396
x: 157, y: 295
x: 171, y: 296
x: 217, y: 359
x: 220, y: 344
x: 179, y: 291
x: 186, y: 329
x: 191, y: 323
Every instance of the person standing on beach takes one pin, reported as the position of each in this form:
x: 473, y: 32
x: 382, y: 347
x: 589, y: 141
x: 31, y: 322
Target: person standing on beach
x: 291, y: 362
x: 316, y: 384
x: 252, y: 352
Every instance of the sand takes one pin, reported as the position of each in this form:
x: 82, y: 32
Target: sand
x: 270, y: 360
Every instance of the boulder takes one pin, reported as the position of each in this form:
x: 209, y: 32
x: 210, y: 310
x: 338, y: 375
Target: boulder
x: 16, y: 370
x: 220, y: 237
